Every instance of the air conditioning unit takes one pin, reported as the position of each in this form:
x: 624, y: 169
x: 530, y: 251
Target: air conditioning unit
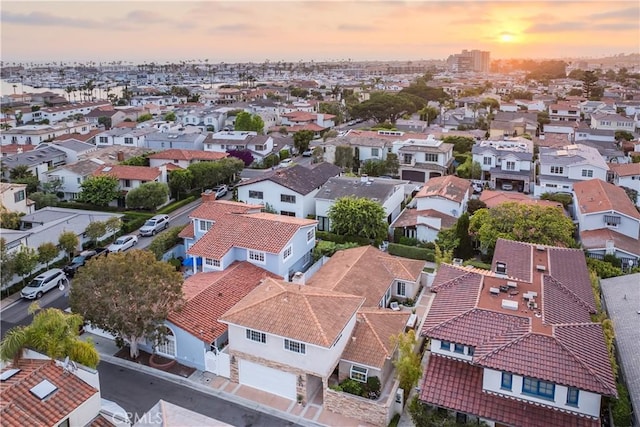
x: 540, y: 267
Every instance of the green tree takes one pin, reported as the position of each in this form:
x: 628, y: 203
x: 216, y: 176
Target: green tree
x: 373, y: 167
x: 301, y: 140
x: 392, y: 164
x: 165, y: 241
x: 180, y: 181
x: 170, y: 116
x: 21, y: 174
x: 47, y: 252
x: 249, y: 122
x: 464, y: 250
x: 525, y: 223
x: 112, y: 226
x: 408, y: 369
x: 52, y: 332
x: 51, y: 187
x: 623, y: 135
x: 490, y: 103
x: 68, y: 242
x: 429, y: 114
x: 9, y: 220
x: 474, y: 205
x: 99, y: 190
x: 589, y: 80
x: 461, y: 144
x: 344, y: 156
x: 148, y: 196
x: 95, y: 230
x: 105, y: 121
x: 25, y: 261
x: 7, y: 269
x: 44, y: 199
x: 129, y: 294
x: 206, y: 174
x: 144, y: 117
x: 353, y: 216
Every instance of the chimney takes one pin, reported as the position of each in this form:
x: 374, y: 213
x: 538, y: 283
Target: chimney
x: 298, y: 278
x: 120, y: 155
x: 208, y: 196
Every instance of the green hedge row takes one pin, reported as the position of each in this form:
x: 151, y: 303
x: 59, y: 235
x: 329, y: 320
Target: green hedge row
x: 337, y: 238
x: 411, y: 252
x: 176, y: 205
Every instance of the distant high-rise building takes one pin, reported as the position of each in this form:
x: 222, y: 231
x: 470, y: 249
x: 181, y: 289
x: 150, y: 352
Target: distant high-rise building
x: 470, y: 60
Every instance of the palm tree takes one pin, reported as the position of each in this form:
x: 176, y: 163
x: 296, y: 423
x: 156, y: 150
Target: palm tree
x: 69, y: 89
x: 52, y: 332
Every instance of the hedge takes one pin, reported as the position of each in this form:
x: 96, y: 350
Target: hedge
x: 411, y: 252
x: 338, y: 238
x: 176, y: 205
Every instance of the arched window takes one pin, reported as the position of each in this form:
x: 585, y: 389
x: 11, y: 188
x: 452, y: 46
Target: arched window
x: 168, y: 346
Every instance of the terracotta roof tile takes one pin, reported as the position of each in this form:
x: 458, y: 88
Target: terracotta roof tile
x: 177, y: 154
x: 568, y: 266
x: 494, y: 198
x: 187, y: 232
x: 410, y: 218
x: 140, y: 173
x: 561, y: 305
x: 454, y: 297
x: 19, y: 407
x: 371, y: 343
x: 303, y: 313
x: 625, y: 169
x: 209, y: 295
x: 597, y: 239
x: 596, y: 195
x: 449, y: 187
x: 457, y: 385
x: 365, y: 271
x: 518, y: 257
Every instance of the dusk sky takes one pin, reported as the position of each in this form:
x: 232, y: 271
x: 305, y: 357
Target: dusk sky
x: 254, y: 31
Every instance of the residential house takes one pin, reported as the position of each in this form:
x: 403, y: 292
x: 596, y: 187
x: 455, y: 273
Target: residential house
x: 115, y: 116
x: 564, y: 113
x: 288, y: 191
x: 561, y: 168
x: 73, y: 148
x: 132, y: 177
x: 41, y: 392
x: 507, y: 124
x: 181, y: 140
x: 302, y: 118
x: 260, y: 146
x: 35, y: 134
x: 13, y: 197
x: 437, y: 206
x: 507, y: 346
x: 493, y: 198
x: 87, y: 138
x: 561, y: 127
x: 626, y: 175
x: 125, y: 137
x: 57, y: 114
x: 608, y: 221
x: 183, y: 158
x: 389, y: 193
x: 586, y: 133
x: 161, y: 100
x: 411, y: 125
x: 223, y: 232
x: 38, y: 161
x: 612, y: 122
x: 422, y: 159
x: 509, y: 160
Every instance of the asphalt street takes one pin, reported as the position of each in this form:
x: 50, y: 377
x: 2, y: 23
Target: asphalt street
x: 137, y: 392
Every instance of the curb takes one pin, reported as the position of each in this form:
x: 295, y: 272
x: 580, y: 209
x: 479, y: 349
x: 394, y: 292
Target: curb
x: 176, y: 379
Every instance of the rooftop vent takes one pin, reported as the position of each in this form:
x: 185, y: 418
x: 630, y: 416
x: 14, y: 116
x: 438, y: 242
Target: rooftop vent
x: 540, y: 248
x: 107, y: 169
x: 541, y: 267
x: 513, y: 285
x: 494, y: 291
x: 509, y: 304
x: 43, y: 389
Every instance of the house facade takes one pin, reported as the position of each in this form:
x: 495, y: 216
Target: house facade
x: 627, y: 175
x: 511, y: 350
x: 612, y: 122
x: 124, y: 137
x: 183, y: 158
x: 564, y: 112
x: 260, y: 146
x: 35, y: 134
x: 423, y: 159
x: 13, y: 197
x: 509, y: 160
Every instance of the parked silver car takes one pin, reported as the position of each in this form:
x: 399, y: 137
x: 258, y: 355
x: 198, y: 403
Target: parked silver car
x: 44, y: 283
x: 154, y: 225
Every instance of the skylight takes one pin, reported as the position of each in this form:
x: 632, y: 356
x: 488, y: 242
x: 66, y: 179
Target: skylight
x: 43, y: 389
x: 8, y: 374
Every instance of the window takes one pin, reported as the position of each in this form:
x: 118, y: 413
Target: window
x: 470, y: 351
x: 486, y: 161
x: 256, y: 194
x: 260, y: 148
x: 501, y: 268
x: 375, y: 152
x: 18, y: 196
x: 458, y: 348
x: 558, y: 170
x: 511, y: 166
x: 539, y: 388
x: 65, y: 423
x: 168, y: 346
x: 311, y: 235
x: 127, y: 183
x: 445, y: 345
x: 407, y: 158
x: 212, y: 262
x: 103, y: 140
x: 79, y: 180
x: 430, y: 157
x: 588, y: 173
x: 507, y: 381
x: 286, y: 198
x: 287, y: 253
x: 359, y: 373
x: 256, y: 256
x: 295, y: 346
x: 256, y: 336
x: 572, y: 396
x: 402, y: 289
x: 128, y: 141
x: 611, y: 220
x: 287, y: 213
x: 205, y: 225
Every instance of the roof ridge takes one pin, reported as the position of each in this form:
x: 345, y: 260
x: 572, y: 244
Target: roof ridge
x: 374, y: 331
x: 569, y: 292
x: 583, y: 364
x: 224, y: 272
x: 315, y: 318
x: 235, y: 308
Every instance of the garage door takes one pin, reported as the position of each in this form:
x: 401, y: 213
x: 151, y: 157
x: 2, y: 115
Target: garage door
x: 416, y: 176
x: 267, y: 379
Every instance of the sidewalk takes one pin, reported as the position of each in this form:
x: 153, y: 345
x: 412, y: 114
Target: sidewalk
x: 312, y: 414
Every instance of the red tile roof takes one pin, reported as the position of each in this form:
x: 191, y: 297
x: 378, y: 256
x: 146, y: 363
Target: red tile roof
x: 596, y: 195
x: 209, y: 295
x: 456, y: 385
x: 411, y: 218
x: 626, y: 169
x: 448, y: 187
x: 494, y: 198
x: 19, y: 407
x: 15, y: 148
x: 597, y: 239
x: 177, y: 154
x: 249, y: 229
x: 140, y: 173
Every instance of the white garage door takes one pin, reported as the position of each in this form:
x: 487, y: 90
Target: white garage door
x: 268, y: 379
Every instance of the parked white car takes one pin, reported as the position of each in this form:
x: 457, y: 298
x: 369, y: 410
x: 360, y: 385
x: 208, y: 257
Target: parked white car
x: 44, y: 283
x: 123, y: 243
x: 155, y: 224
x: 285, y: 163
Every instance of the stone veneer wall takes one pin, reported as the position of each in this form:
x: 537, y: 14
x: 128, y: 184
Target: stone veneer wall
x: 376, y: 412
x: 301, y: 386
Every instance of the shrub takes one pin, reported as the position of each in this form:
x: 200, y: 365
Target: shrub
x: 165, y: 241
x: 603, y: 269
x: 175, y: 262
x: 371, y: 389
x: 621, y: 407
x: 352, y: 387
x: 338, y: 238
x: 411, y: 252
x: 565, y: 199
x: 176, y: 205
x: 478, y: 264
x: 408, y: 241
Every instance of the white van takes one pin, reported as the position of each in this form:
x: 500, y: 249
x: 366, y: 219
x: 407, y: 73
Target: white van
x: 43, y: 283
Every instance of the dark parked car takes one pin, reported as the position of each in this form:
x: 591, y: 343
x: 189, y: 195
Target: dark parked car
x: 80, y: 260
